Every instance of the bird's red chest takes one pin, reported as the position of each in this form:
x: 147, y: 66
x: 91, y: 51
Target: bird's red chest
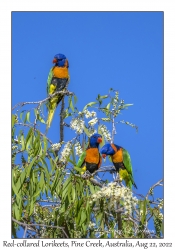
x: 92, y: 155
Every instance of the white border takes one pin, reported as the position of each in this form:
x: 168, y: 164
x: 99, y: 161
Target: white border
x: 5, y: 95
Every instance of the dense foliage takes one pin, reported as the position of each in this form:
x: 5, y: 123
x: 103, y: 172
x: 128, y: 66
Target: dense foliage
x: 52, y: 198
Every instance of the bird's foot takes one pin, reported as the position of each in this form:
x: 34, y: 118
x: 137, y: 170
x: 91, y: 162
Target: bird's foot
x: 87, y: 174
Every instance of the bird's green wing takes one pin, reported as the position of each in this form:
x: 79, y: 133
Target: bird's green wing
x: 128, y: 166
x: 127, y: 161
x: 81, y: 159
x: 49, y: 79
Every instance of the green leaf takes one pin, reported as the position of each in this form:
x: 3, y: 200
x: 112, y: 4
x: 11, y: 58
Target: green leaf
x: 41, y: 183
x: 75, y: 99
x: 86, y: 131
x: 83, y: 217
x: 22, y: 142
x: 108, y: 106
x: 81, y: 159
x: 41, y: 119
x: 71, y: 104
x: 106, y: 119
x: 126, y: 105
x: 78, y: 169
x: 55, y: 182
x: 73, y: 194
x: 27, y: 117
x: 14, y: 187
x: 13, y: 120
x: 31, y: 207
x: 30, y: 166
x: 21, y: 180
x: 89, y: 105
x: 103, y: 96
x: 21, y: 115
x: 45, y: 145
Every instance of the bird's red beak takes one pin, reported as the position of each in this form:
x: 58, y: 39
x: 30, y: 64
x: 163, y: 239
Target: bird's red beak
x: 104, y: 156
x: 54, y: 60
x: 99, y: 140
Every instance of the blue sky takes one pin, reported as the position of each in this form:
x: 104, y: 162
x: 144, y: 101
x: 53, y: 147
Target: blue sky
x: 122, y: 50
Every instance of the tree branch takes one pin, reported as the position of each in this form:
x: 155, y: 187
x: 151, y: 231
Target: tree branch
x: 38, y: 225
x: 44, y: 100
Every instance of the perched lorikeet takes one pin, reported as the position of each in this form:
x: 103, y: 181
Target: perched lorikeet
x: 122, y: 162
x: 58, y: 79
x: 90, y: 159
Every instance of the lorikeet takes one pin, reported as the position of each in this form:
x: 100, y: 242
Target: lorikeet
x: 90, y: 159
x: 58, y: 79
x: 122, y: 162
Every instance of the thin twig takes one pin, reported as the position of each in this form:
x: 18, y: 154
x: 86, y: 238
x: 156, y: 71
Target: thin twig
x: 44, y: 100
x: 38, y: 225
x: 27, y: 125
x: 155, y: 185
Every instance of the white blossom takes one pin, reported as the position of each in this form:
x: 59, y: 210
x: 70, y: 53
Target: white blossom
x: 65, y: 152
x: 78, y: 149
x: 77, y: 125
x: 89, y: 114
x: 56, y: 146
x: 116, y: 193
x: 105, y: 132
x: 93, y: 121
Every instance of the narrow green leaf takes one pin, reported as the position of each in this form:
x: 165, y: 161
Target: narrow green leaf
x: 89, y: 105
x: 13, y: 120
x: 71, y: 105
x: 30, y: 166
x: 108, y: 106
x: 83, y: 217
x: 75, y: 99
x: 86, y: 131
x: 22, y: 142
x: 31, y: 207
x: 21, y: 115
x: 78, y: 169
x: 45, y: 145
x: 103, y: 96
x: 14, y: 187
x: 106, y: 119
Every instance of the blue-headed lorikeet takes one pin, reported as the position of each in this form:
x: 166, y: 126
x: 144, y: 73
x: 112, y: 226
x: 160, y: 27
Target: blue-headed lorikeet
x: 122, y: 162
x: 90, y: 159
x: 58, y: 79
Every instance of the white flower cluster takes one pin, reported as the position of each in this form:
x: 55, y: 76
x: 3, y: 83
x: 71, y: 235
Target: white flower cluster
x: 56, y: 146
x: 91, y: 224
x: 77, y: 125
x: 66, y: 152
x: 14, y: 147
x: 89, y: 114
x: 116, y: 193
x: 160, y: 216
x: 105, y: 132
x: 93, y: 121
x: 161, y: 203
x: 115, y: 100
x: 78, y: 149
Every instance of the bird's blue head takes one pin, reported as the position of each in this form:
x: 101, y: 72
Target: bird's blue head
x: 60, y: 60
x: 107, y: 150
x: 95, y: 140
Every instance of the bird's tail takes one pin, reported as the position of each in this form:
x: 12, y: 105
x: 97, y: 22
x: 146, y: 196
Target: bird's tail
x: 50, y: 118
x: 51, y: 109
